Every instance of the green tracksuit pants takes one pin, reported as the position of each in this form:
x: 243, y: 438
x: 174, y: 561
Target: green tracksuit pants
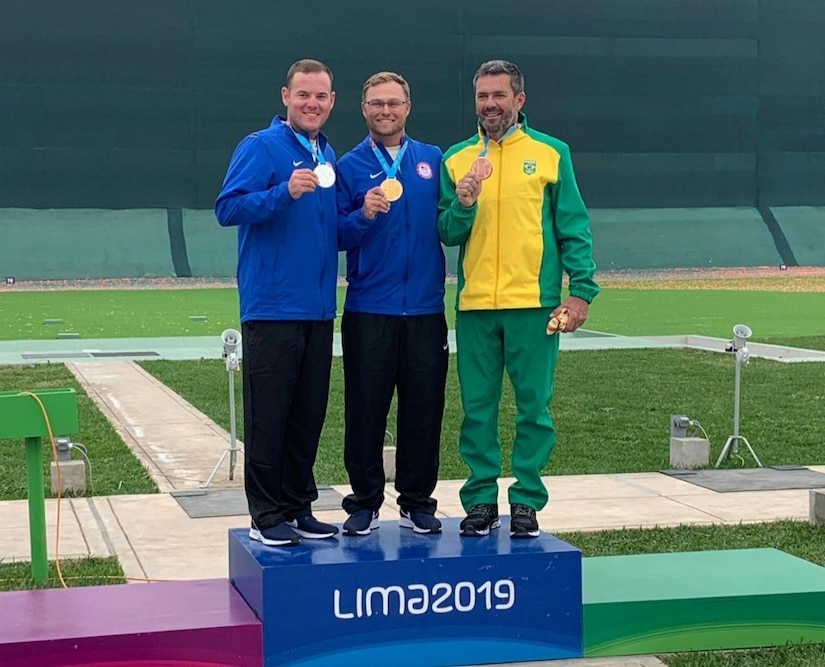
x: 490, y: 342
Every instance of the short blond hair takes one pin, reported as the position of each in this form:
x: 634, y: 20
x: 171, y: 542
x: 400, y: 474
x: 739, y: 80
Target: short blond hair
x: 385, y: 77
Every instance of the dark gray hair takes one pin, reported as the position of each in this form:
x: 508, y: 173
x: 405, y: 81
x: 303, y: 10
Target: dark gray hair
x: 493, y: 67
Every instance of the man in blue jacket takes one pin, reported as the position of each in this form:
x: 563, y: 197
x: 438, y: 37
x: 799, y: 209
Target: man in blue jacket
x: 278, y: 193
x: 394, y: 333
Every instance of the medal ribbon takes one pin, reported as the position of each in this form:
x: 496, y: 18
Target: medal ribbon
x: 315, y: 151
x: 512, y: 129
x: 390, y: 171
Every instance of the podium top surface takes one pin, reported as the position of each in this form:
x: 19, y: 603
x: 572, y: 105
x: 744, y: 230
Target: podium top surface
x: 392, y: 543
x: 95, y: 611
x: 698, y: 574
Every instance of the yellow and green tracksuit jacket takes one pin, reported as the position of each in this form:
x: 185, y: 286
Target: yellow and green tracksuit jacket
x: 528, y: 225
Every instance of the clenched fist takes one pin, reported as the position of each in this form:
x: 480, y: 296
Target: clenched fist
x: 375, y: 202
x: 468, y: 189
x: 301, y: 182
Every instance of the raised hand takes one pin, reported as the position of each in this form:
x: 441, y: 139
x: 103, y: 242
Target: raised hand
x: 301, y: 182
x: 468, y: 189
x: 375, y: 202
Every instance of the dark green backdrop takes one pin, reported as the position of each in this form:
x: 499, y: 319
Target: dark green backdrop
x: 666, y: 103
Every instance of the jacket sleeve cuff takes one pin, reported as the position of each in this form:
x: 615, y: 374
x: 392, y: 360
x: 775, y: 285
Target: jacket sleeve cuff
x: 584, y: 294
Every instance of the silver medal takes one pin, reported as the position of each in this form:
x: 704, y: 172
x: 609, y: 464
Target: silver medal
x: 325, y: 174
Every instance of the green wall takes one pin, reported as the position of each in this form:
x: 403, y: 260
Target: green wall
x: 690, y: 121
x: 92, y: 243
x: 665, y: 103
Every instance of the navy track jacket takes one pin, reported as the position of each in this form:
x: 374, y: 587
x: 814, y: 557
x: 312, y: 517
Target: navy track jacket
x: 287, y: 248
x: 395, y: 264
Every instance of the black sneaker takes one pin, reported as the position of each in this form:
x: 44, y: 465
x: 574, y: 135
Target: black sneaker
x: 523, y: 522
x: 279, y: 535
x: 361, y: 522
x: 480, y: 520
x: 420, y: 522
x: 309, y: 527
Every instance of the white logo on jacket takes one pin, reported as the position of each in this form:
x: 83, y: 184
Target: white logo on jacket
x: 424, y: 170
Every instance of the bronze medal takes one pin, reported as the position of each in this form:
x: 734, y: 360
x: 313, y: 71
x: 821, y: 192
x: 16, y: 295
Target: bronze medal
x: 392, y: 189
x: 481, y: 168
x: 558, y: 322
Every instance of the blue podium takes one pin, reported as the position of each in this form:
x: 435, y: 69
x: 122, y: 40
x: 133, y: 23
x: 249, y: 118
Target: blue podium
x: 396, y: 597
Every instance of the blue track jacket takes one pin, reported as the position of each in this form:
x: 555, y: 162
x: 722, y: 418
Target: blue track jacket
x: 395, y: 264
x: 287, y: 249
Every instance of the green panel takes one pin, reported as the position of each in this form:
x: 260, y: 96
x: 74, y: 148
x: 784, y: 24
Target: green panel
x: 212, y: 249
x: 110, y: 106
x: 84, y: 243
x: 792, y: 178
x: 21, y: 416
x: 661, y: 603
x: 681, y: 238
x: 804, y: 227
x: 792, y: 123
x: 666, y: 180
x: 729, y: 126
x: 678, y: 19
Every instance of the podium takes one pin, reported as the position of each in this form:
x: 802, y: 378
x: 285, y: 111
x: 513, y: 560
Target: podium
x: 397, y: 597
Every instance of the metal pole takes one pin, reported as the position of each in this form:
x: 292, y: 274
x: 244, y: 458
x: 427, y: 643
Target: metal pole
x: 233, y: 452
x: 37, y: 510
x: 736, y: 405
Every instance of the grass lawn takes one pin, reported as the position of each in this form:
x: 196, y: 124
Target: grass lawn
x: 810, y: 655
x: 611, y: 409
x: 114, y: 469
x: 77, y: 572
x: 632, y: 312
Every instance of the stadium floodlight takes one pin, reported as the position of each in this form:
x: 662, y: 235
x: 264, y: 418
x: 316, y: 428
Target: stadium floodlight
x: 231, y: 341
x: 739, y: 347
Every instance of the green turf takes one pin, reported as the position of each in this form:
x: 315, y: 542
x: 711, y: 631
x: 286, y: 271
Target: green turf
x: 145, y: 313
x: 708, y: 312
x: 811, y: 655
x: 117, y: 313
x: 114, y: 469
x: 612, y: 409
x: 76, y: 572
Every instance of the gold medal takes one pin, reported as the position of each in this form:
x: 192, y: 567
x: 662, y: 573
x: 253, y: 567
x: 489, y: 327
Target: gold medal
x: 392, y: 189
x: 481, y: 168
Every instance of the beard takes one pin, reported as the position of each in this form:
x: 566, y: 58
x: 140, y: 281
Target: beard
x: 386, y: 129
x: 497, y: 126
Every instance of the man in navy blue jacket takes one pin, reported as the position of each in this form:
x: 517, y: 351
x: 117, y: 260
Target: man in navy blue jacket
x: 278, y: 193
x: 394, y: 333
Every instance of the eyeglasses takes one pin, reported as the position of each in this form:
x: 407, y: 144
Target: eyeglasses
x: 377, y: 105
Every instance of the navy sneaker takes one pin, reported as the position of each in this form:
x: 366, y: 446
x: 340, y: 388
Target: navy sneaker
x: 279, y: 535
x: 480, y: 520
x: 309, y: 527
x: 523, y: 522
x: 420, y: 522
x: 361, y: 522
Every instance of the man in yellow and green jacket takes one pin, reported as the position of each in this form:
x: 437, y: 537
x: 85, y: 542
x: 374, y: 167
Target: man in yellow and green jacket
x: 509, y: 199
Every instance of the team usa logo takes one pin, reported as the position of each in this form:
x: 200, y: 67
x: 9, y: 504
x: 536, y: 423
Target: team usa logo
x: 424, y: 170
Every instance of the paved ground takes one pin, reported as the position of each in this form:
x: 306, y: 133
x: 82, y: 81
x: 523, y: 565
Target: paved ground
x: 154, y: 538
